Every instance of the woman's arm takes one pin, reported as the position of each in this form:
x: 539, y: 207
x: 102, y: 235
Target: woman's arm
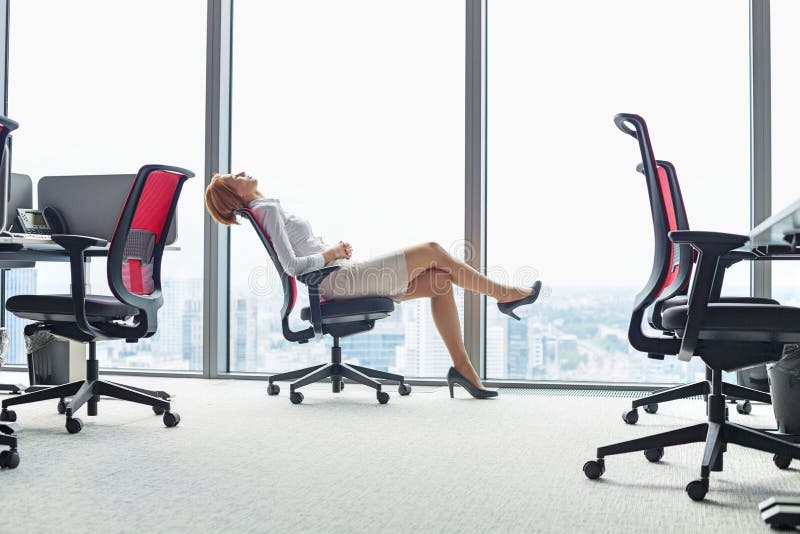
x: 272, y: 222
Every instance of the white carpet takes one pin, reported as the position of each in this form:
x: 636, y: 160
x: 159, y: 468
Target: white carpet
x: 245, y: 462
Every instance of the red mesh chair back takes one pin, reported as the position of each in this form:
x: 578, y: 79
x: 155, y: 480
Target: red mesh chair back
x: 137, y: 246
x: 288, y: 282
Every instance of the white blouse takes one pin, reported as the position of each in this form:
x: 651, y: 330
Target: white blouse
x: 298, y: 249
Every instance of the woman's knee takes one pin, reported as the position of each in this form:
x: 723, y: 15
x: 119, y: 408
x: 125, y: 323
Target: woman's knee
x: 441, y: 282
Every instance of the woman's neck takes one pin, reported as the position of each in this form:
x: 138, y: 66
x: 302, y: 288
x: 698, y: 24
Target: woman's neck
x: 247, y: 199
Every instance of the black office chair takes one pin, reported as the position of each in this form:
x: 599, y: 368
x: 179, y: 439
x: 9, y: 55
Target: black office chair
x: 134, y: 277
x: 726, y: 336
x: 6, y: 127
x: 337, y: 318
x: 8, y: 458
x: 673, y: 291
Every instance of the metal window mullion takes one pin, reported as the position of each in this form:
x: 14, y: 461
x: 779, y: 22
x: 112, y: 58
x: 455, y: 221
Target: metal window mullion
x: 760, y: 136
x: 217, y: 159
x: 475, y: 177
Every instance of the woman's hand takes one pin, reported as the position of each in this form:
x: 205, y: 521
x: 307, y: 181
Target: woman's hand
x: 341, y: 251
x: 348, y: 250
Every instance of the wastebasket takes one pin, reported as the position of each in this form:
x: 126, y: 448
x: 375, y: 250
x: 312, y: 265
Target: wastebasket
x: 53, y: 361
x: 754, y: 378
x: 784, y: 378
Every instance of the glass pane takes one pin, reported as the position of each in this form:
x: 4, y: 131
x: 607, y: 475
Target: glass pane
x: 123, y: 87
x: 352, y: 114
x: 785, y: 15
x: 564, y: 200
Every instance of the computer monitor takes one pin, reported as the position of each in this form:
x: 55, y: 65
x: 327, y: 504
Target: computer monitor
x: 90, y: 204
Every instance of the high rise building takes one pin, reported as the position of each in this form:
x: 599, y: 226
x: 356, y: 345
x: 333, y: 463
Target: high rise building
x: 18, y: 282
x: 193, y: 333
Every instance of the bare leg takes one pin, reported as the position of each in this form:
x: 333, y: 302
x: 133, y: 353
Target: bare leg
x: 437, y: 285
x: 421, y: 258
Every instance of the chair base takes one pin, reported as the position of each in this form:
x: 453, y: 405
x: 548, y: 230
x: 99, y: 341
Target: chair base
x: 337, y: 371
x: 703, y: 388
x: 88, y: 392
x: 717, y: 433
x: 11, y: 388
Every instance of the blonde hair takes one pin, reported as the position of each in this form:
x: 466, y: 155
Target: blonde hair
x: 222, y: 201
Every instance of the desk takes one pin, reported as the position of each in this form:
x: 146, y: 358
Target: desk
x: 768, y: 240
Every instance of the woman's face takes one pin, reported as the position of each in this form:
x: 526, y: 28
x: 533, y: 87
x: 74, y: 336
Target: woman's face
x: 241, y: 183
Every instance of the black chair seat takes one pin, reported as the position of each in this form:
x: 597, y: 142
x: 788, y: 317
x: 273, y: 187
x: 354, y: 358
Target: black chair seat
x: 58, y: 308
x: 356, y: 308
x: 683, y: 300
x: 746, y: 317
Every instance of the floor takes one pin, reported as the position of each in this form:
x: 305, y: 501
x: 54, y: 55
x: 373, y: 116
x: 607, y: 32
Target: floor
x: 245, y: 462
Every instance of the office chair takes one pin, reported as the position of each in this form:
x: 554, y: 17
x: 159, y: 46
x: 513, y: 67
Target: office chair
x: 673, y: 291
x: 6, y: 127
x: 134, y: 277
x: 337, y: 318
x: 726, y: 336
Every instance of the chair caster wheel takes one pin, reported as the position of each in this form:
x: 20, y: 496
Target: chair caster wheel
x: 744, y: 407
x: 171, y: 419
x: 74, y: 425
x: 631, y: 416
x: 9, y: 459
x: 296, y: 397
x: 383, y: 397
x: 158, y: 410
x: 782, y: 462
x: 62, y: 407
x: 273, y: 389
x: 697, y: 489
x: 654, y: 455
x: 404, y: 389
x: 594, y: 469
x: 8, y: 415
x: 651, y: 408
x: 337, y: 386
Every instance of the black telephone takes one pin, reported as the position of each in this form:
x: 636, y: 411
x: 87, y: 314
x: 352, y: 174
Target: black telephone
x: 33, y: 222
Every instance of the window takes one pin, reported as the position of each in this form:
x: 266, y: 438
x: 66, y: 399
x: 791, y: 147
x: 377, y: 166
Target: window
x: 564, y: 202
x: 352, y: 114
x: 113, y: 87
x: 785, y: 115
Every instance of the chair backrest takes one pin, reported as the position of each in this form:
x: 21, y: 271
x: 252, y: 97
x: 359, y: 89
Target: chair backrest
x: 137, y: 246
x: 668, y: 275
x: 288, y: 282
x: 6, y: 127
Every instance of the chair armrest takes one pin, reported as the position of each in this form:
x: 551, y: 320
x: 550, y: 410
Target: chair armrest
x: 314, y: 278
x: 76, y: 245
x: 705, y: 240
x: 712, y: 246
x: 78, y: 242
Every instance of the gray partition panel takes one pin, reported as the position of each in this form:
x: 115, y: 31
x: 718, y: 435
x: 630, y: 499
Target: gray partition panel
x: 90, y: 204
x: 21, y: 196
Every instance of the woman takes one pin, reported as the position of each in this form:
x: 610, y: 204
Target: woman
x: 425, y: 270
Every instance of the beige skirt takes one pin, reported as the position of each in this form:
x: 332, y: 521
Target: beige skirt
x: 381, y: 276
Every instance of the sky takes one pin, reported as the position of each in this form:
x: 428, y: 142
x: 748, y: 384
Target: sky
x: 352, y: 113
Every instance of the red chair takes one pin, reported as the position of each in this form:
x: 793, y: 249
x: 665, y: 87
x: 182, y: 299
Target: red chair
x: 337, y: 318
x: 667, y: 200
x: 725, y: 336
x: 134, y: 276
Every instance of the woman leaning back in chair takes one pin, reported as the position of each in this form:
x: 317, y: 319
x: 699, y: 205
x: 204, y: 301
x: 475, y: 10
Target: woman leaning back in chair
x: 418, y: 271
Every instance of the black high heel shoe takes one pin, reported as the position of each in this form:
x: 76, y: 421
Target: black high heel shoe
x: 509, y: 307
x: 454, y: 377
